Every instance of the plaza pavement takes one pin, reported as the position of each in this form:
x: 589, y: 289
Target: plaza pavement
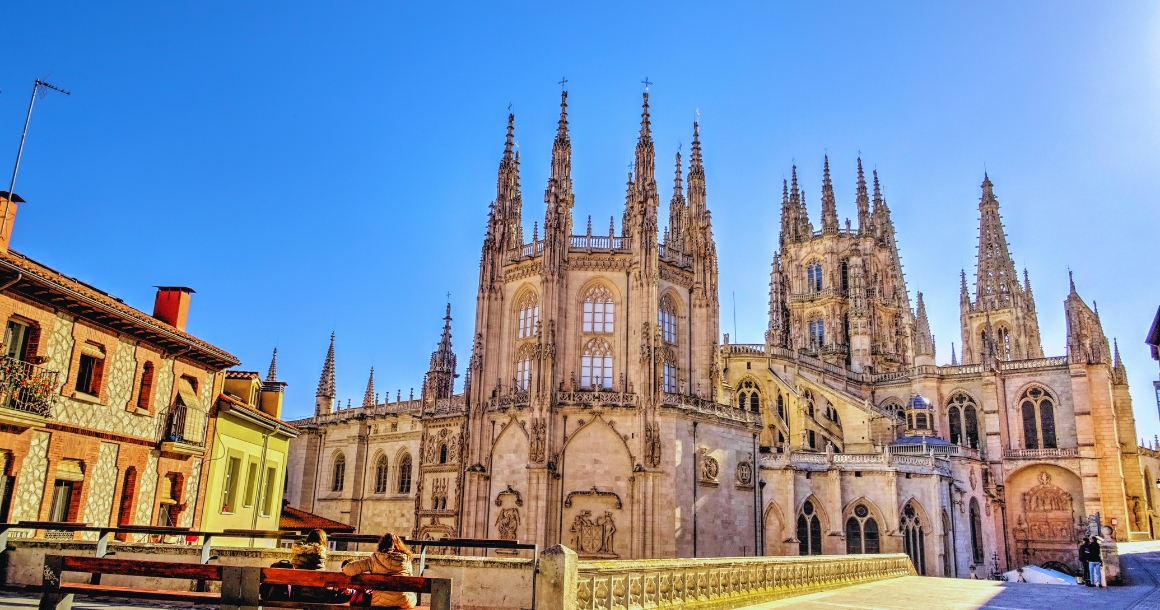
x: 1140, y: 560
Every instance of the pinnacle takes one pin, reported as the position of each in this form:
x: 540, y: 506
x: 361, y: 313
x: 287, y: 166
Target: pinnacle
x: 369, y: 396
x: 695, y: 154
x: 272, y: 374
x: 509, y: 143
x: 562, y: 126
x: 645, y: 125
x: 326, y: 381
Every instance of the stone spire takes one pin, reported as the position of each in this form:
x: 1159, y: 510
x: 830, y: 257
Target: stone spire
x: 863, y: 201
x: 369, y: 395
x: 829, y: 206
x: 1086, y: 342
x: 324, y: 398
x: 272, y: 373
x: 558, y: 196
x: 995, y: 278
x: 777, y: 334
x: 508, y: 200
x: 441, y: 376
x: 678, y: 212
x: 923, y: 340
x: 954, y: 360
x: 786, y: 235
x: 1119, y: 372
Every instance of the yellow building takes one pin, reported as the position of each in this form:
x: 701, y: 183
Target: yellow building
x: 248, y: 463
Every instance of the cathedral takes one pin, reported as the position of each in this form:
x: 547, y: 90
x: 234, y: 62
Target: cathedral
x: 600, y: 407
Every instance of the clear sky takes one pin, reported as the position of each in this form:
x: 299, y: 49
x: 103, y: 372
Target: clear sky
x: 312, y: 169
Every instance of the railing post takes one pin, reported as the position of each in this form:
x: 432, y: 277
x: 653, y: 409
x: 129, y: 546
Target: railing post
x: 102, y: 550
x: 558, y: 579
x: 205, y: 548
x: 50, y: 596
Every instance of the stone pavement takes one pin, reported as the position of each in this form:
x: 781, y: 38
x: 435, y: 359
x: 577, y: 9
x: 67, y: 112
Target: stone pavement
x: 1140, y: 560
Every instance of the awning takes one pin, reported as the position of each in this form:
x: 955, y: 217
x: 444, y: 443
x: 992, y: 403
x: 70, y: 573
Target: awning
x: 89, y: 349
x: 70, y: 470
x: 186, y: 394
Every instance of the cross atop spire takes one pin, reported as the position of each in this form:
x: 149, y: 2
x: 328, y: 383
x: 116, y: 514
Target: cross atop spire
x: 646, y: 82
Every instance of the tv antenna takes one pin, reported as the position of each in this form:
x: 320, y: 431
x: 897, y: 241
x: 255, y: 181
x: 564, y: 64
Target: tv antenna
x: 42, y: 88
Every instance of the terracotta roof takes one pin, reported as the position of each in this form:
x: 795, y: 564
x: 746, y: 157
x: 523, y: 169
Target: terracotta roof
x: 34, y: 281
x: 239, y: 404
x: 234, y: 374
x: 295, y: 519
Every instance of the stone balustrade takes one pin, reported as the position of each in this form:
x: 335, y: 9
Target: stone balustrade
x: 1041, y: 454
x: 726, y: 582
x: 816, y: 461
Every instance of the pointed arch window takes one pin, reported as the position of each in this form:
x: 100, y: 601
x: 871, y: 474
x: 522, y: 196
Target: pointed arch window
x: 381, y: 474
x: 911, y: 528
x: 809, y: 530
x: 977, y: 553
x: 809, y: 403
x: 667, y: 319
x: 1003, y: 337
x: 524, y: 366
x: 814, y: 277
x: 598, y: 310
x: 963, y: 416
x: 1038, y: 410
x: 749, y: 397
x: 596, y: 364
x: 862, y: 532
x: 338, y: 473
x: 528, y: 315
x: 781, y: 406
x: 404, y: 486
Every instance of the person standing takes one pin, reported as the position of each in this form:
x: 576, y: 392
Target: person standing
x: 1096, y: 562
x: 1085, y: 560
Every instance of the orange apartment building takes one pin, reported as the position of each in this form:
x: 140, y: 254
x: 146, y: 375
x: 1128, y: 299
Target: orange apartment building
x: 105, y: 411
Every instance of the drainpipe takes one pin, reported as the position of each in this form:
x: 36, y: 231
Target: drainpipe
x: 563, y: 456
x: 761, y: 494
x: 490, y: 478
x: 261, y: 487
x: 9, y: 284
x: 753, y: 474
x: 954, y: 546
x: 694, y: 460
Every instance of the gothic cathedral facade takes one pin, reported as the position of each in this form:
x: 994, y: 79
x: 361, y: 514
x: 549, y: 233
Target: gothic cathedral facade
x: 600, y: 408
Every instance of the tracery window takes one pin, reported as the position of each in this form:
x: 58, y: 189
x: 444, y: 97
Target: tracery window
x: 338, y: 473
x: 963, y: 418
x: 596, y: 364
x: 749, y: 397
x: 910, y: 525
x: 524, y: 367
x: 809, y: 398
x: 598, y: 310
x: 381, y: 474
x: 529, y: 315
x: 780, y: 406
x: 817, y: 333
x: 862, y: 532
x: 809, y: 530
x: 667, y: 320
x: 670, y: 378
x: 1038, y: 409
x: 1004, y: 340
x: 976, y: 533
x: 814, y: 277
x: 404, y: 486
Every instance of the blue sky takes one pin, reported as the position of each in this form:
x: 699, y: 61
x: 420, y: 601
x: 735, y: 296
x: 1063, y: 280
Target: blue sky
x: 314, y: 168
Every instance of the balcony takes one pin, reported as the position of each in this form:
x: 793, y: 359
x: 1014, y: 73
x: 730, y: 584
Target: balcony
x: 29, y: 392
x: 183, y: 430
x: 1040, y: 454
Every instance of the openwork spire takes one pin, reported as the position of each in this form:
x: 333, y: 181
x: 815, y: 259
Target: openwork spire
x: 923, y: 340
x: 369, y: 395
x: 995, y: 280
x: 829, y: 206
x: 863, y: 201
x: 561, y: 176
x: 645, y: 154
x: 442, y: 373
x: 326, y: 381
x: 272, y: 373
x: 678, y: 211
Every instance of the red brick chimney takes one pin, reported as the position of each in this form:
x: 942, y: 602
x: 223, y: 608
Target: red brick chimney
x: 7, y: 217
x: 172, y: 305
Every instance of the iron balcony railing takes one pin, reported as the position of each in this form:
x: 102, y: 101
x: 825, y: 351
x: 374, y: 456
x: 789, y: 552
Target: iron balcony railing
x: 27, y: 387
x: 182, y: 424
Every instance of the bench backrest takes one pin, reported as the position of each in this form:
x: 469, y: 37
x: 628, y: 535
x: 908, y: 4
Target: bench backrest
x: 136, y: 567
x: 338, y: 580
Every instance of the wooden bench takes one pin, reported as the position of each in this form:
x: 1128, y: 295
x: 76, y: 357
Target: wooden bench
x: 241, y: 585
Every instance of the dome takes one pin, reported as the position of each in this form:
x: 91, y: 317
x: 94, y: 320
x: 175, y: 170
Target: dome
x: 917, y: 402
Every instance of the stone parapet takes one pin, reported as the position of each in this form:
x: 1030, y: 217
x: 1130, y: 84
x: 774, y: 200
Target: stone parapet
x: 727, y: 582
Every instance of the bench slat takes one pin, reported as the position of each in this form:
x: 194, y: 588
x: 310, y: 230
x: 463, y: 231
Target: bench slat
x: 134, y: 567
x: 318, y: 578
x: 110, y: 591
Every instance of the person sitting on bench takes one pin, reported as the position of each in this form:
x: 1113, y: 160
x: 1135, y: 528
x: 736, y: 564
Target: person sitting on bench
x: 310, y: 554
x: 392, y: 558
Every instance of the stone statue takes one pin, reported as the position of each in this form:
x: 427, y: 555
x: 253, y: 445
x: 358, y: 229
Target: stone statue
x: 508, y: 523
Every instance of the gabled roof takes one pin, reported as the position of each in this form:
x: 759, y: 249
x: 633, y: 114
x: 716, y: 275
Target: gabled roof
x: 35, y: 282
x: 296, y: 519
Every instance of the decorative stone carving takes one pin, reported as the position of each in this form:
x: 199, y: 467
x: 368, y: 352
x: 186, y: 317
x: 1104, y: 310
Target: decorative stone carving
x: 537, y: 443
x: 973, y: 481
x: 708, y: 468
x: 594, y: 539
x: 593, y: 492
x: 745, y: 471
x: 652, y: 445
x: 509, y: 492
x: 507, y: 523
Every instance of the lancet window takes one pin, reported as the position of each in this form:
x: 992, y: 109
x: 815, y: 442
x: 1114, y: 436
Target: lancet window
x: 528, y: 315
x: 817, y: 332
x: 845, y: 275
x: 861, y: 532
x: 809, y: 530
x: 1038, y: 410
x: 667, y: 319
x: 596, y: 364
x: 976, y: 533
x: 1003, y: 337
x: 404, y: 486
x: 524, y: 367
x: 963, y: 416
x: 749, y: 397
x: 911, y: 528
x: 813, y: 277
x: 781, y: 406
x: 598, y: 310
x: 381, y: 474
x: 338, y: 473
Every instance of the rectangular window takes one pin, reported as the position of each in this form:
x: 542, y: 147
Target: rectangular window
x: 268, y: 492
x: 230, y: 485
x: 596, y: 370
x: 16, y: 340
x: 813, y: 440
x: 670, y: 378
x: 251, y: 482
x: 588, y: 316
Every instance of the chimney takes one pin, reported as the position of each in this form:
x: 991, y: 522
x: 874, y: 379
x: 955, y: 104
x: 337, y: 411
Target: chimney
x: 7, y: 217
x: 172, y: 305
